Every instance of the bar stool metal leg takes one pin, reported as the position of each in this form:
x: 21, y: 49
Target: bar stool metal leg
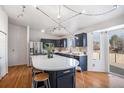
x: 33, y: 83
x: 36, y: 84
x: 48, y: 83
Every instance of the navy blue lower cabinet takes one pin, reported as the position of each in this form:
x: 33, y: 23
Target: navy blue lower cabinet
x: 82, y: 62
x: 65, y: 81
x: 62, y: 79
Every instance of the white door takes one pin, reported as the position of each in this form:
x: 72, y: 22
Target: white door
x: 97, y: 52
x: 2, y: 55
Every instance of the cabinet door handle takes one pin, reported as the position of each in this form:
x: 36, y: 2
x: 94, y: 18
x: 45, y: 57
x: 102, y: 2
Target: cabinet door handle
x: 66, y: 71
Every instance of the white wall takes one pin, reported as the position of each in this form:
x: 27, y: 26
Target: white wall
x: 36, y: 35
x: 17, y: 45
x: 3, y: 21
x: 4, y: 28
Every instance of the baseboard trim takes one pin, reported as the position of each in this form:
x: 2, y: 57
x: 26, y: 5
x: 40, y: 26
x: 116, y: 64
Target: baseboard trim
x: 18, y: 65
x: 97, y: 71
x: 3, y: 76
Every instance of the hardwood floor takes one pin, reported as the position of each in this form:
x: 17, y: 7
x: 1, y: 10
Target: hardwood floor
x: 21, y: 77
x: 98, y: 80
x: 17, y: 77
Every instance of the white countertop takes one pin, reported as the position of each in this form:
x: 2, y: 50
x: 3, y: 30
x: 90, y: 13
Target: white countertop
x: 42, y: 62
x: 75, y: 54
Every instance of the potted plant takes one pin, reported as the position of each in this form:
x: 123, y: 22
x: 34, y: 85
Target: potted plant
x: 50, y: 48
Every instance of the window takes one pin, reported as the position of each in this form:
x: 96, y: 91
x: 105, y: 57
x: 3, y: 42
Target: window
x: 116, y: 46
x: 96, y: 46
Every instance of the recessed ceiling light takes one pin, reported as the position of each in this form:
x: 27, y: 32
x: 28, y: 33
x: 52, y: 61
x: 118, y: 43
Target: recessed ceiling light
x: 42, y: 30
x: 35, y: 6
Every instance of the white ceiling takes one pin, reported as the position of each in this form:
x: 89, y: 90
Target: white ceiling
x: 37, y: 20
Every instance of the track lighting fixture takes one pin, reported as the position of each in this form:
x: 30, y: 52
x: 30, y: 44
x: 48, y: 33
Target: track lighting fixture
x: 22, y: 11
x: 59, y: 20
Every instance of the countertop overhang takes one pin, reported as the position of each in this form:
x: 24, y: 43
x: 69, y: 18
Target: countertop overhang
x: 73, y: 54
x: 42, y: 62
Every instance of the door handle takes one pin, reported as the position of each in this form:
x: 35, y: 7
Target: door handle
x: 66, y: 71
x: 0, y: 57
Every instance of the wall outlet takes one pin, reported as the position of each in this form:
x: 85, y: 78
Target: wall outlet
x: 13, y: 50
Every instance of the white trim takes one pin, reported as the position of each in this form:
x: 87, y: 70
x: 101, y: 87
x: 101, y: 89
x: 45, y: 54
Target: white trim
x: 111, y: 28
x: 28, y: 49
x: 3, y: 76
x: 89, y: 49
x: 105, y: 50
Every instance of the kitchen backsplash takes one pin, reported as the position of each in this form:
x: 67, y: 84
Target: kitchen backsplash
x: 72, y: 49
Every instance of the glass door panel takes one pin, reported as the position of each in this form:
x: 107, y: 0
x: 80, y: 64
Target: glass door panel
x: 116, y: 51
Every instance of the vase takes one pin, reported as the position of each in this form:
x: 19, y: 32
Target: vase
x: 50, y: 55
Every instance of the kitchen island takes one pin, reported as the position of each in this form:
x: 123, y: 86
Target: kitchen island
x: 82, y: 58
x: 61, y: 69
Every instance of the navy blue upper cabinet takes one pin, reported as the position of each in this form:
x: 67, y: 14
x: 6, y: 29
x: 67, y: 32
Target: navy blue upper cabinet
x: 63, y: 43
x: 78, y: 40
x: 56, y: 42
x: 81, y: 40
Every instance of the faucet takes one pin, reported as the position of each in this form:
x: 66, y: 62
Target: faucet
x: 70, y: 51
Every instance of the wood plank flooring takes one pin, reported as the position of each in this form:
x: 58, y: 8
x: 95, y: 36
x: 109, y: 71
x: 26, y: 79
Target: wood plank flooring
x: 98, y: 80
x: 17, y: 77
x: 21, y: 77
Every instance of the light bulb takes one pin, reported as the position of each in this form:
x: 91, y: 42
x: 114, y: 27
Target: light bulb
x: 35, y: 6
x: 115, y: 6
x: 58, y: 16
x: 83, y: 11
x: 42, y: 30
x: 76, y: 37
